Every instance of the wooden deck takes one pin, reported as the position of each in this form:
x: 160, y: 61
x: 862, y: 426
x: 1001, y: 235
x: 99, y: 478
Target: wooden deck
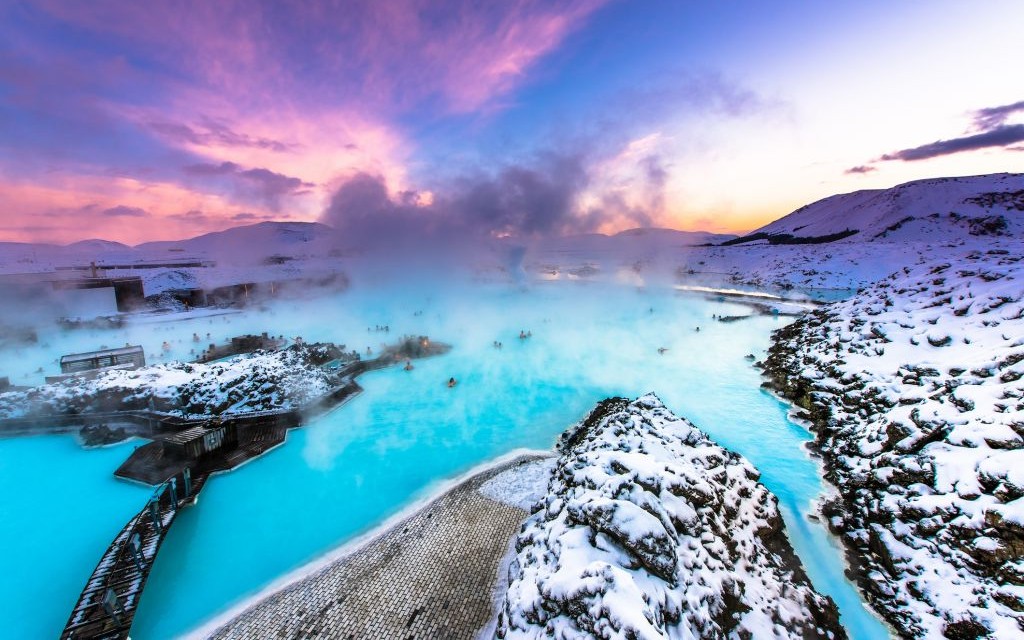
x: 106, y: 607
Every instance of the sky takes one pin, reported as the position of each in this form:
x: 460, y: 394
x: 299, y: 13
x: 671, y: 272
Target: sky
x: 137, y: 121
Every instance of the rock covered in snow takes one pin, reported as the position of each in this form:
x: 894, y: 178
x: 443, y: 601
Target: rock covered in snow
x: 916, y: 390
x: 650, y: 530
x: 259, y: 381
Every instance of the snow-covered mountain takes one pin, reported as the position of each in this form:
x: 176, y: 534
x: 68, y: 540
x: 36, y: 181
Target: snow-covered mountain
x: 916, y: 391
x: 933, y: 209
x: 251, y: 242
x: 842, y: 242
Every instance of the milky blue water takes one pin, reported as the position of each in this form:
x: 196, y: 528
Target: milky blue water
x: 395, y: 443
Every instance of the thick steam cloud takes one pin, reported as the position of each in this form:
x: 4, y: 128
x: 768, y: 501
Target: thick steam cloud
x: 519, y: 201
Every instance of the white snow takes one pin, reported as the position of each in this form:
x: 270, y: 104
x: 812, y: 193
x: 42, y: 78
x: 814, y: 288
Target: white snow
x: 522, y: 485
x: 650, y: 530
x: 252, y: 382
x: 922, y: 375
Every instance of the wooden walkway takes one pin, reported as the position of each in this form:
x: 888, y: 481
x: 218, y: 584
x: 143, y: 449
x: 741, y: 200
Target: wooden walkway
x: 106, y: 608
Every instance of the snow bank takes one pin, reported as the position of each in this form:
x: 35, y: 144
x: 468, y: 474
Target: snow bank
x: 650, y: 530
x: 522, y: 485
x: 915, y: 389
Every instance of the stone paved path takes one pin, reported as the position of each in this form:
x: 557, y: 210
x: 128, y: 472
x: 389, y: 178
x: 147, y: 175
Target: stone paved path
x: 429, y: 577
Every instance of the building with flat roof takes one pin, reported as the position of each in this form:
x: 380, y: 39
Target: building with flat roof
x: 127, y: 357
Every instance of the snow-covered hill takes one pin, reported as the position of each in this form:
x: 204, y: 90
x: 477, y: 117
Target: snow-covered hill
x: 870, y: 233
x: 935, y: 209
x: 251, y: 243
x: 916, y: 390
x: 650, y: 530
x: 246, y: 245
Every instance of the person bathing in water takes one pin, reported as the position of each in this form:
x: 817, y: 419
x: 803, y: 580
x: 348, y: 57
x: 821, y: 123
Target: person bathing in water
x: 408, y: 365
x: 451, y: 382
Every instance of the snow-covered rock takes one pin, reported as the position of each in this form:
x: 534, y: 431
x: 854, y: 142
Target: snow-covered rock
x: 650, y: 530
x: 916, y: 390
x: 290, y: 378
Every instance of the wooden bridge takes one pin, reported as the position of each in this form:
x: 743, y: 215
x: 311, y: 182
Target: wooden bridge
x: 106, y: 608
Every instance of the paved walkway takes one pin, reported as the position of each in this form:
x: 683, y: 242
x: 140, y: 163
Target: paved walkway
x: 431, y: 576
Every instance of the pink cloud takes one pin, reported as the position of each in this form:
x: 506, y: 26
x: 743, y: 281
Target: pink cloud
x: 401, y: 52
x: 121, y: 209
x: 295, y: 98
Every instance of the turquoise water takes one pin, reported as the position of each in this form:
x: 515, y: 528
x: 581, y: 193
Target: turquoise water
x: 407, y: 433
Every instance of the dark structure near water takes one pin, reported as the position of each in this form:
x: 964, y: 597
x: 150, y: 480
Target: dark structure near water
x: 195, y: 442
x: 241, y: 344
x: 128, y: 291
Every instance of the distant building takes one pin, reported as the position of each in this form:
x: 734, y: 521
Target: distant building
x: 128, y: 291
x: 130, y: 357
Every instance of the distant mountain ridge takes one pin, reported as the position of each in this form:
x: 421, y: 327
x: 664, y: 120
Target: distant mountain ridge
x: 927, y: 211
x: 933, y: 209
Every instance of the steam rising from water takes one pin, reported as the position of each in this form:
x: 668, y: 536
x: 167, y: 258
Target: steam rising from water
x: 540, y: 199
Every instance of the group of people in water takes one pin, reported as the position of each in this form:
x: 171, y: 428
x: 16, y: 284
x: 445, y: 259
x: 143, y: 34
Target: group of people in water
x: 497, y: 344
x: 379, y: 328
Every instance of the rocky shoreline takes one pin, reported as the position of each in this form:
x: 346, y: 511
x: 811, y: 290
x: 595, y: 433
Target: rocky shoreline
x: 911, y: 389
x: 650, y: 530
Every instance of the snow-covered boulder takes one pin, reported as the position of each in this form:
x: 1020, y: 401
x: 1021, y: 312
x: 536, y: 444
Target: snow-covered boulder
x: 651, y: 530
x: 916, y: 390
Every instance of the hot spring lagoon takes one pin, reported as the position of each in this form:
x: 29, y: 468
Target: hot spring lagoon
x: 398, y: 441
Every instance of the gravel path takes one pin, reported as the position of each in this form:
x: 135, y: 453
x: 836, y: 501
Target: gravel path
x: 430, y: 576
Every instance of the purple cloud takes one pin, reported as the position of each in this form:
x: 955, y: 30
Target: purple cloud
x: 193, y: 216
x: 862, y: 168
x: 992, y: 117
x: 211, y: 133
x: 262, y: 185
x: 1001, y: 136
x: 990, y: 130
x: 123, y: 211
